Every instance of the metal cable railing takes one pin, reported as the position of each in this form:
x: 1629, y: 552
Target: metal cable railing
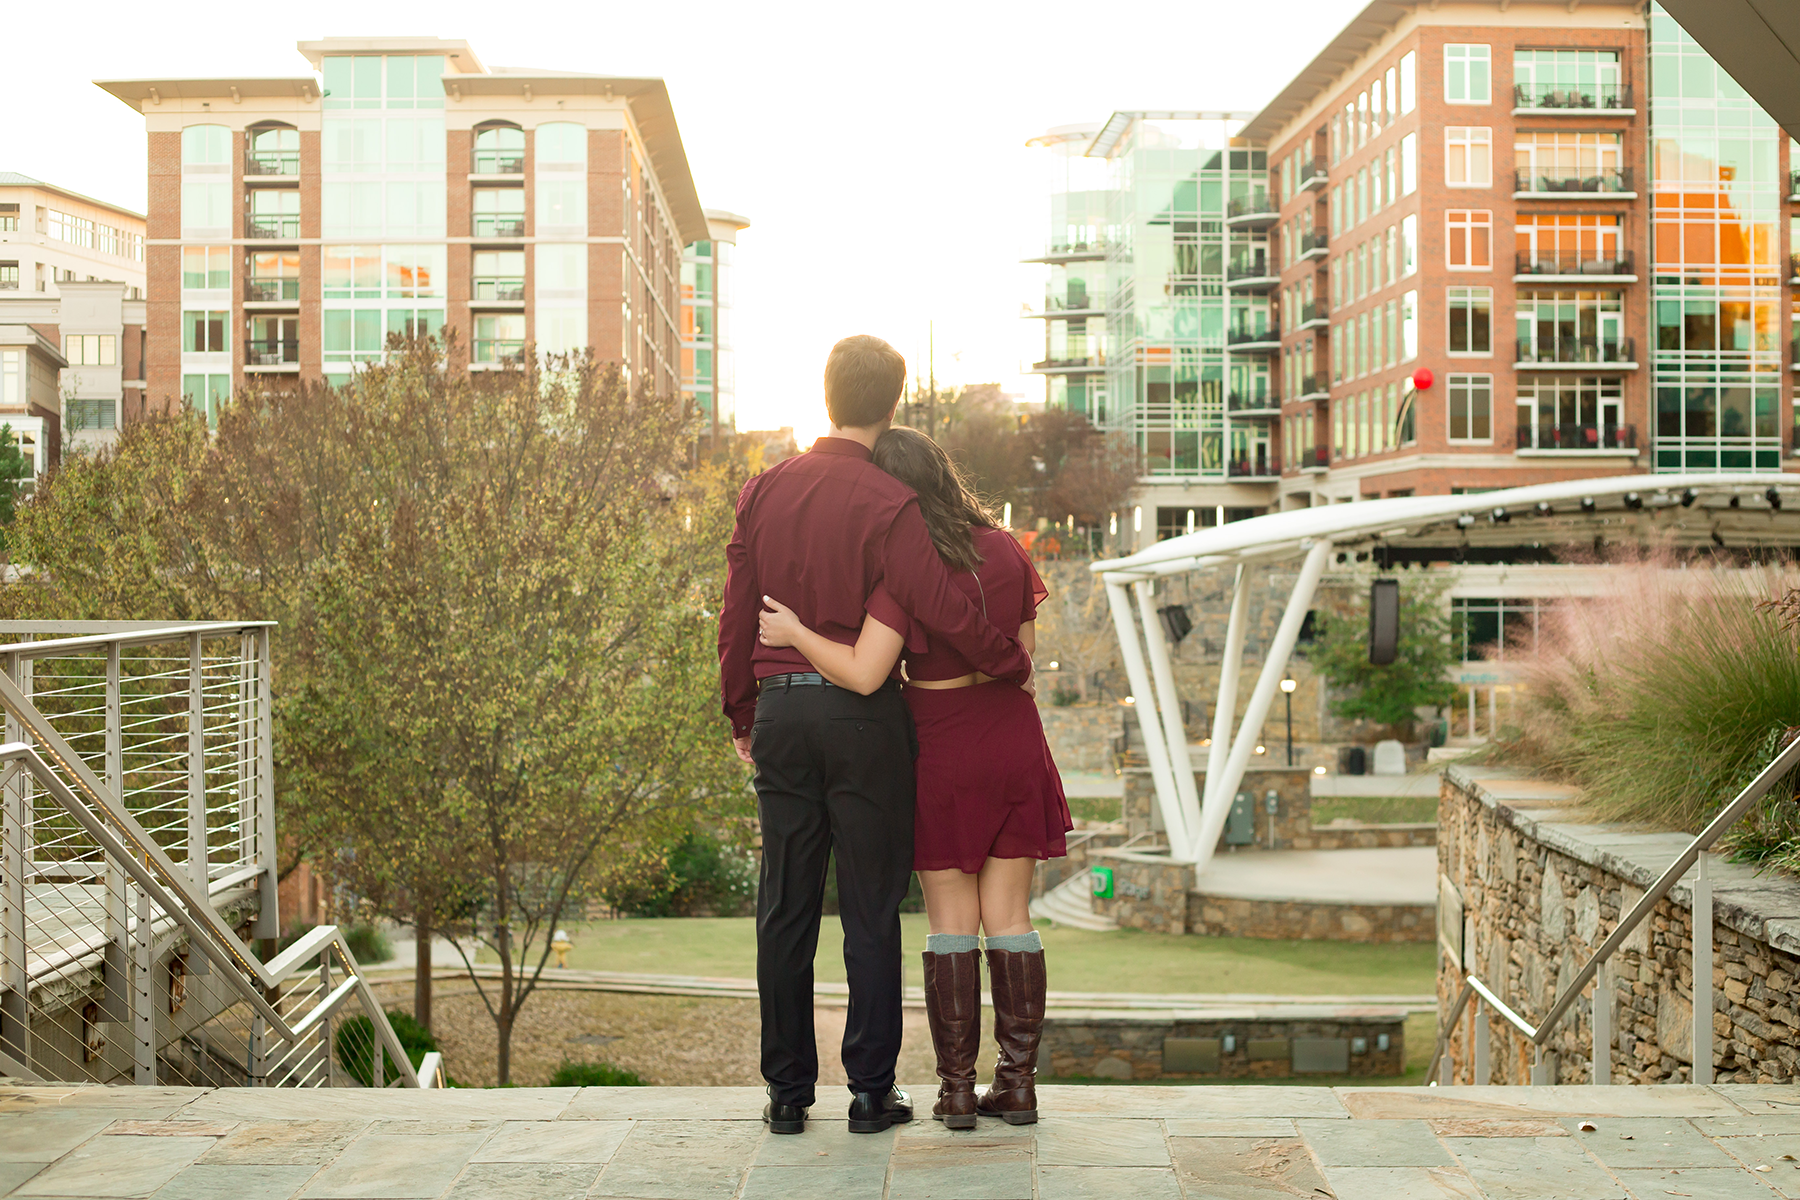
x: 1595, y: 969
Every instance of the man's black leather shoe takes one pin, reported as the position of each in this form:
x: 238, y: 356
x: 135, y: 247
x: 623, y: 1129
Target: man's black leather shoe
x: 784, y: 1118
x: 870, y: 1113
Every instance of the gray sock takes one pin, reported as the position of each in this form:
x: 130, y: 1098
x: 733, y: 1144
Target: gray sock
x: 1019, y: 943
x: 950, y: 943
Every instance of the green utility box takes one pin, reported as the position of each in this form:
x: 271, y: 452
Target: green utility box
x: 1240, y: 823
x: 1103, y: 883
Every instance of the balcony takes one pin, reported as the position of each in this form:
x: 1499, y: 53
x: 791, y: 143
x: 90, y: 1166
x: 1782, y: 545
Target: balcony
x: 1560, y: 183
x: 272, y: 228
x: 1314, y: 245
x: 1251, y: 275
x: 1316, y: 314
x: 277, y: 163
x: 1794, y: 184
x: 1255, y: 341
x: 272, y: 291
x: 1069, y: 366
x: 1315, y: 460
x: 1073, y: 305
x: 1571, y: 268
x: 509, y: 352
x: 1611, y: 98
x: 1575, y: 353
x: 1313, y: 175
x: 1255, y: 211
x: 492, y: 289
x: 271, y: 352
x: 1259, y: 407
x: 1259, y: 468
x: 1577, y: 439
x: 489, y: 225
x: 499, y: 162
x: 1794, y: 268
x: 1312, y: 387
x: 1794, y: 355
x: 1064, y: 252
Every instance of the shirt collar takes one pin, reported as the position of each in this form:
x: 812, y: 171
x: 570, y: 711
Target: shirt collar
x: 844, y: 446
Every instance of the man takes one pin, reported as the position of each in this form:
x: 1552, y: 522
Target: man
x: 834, y: 769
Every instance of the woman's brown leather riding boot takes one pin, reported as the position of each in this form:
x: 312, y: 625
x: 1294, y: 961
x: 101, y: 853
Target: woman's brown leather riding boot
x: 1017, y: 980
x: 953, y: 1009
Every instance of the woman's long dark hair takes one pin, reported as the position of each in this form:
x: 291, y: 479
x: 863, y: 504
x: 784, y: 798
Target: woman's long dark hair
x: 946, y: 501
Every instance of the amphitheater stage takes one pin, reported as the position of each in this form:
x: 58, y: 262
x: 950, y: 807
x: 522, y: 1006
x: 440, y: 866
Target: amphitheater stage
x: 1133, y: 1143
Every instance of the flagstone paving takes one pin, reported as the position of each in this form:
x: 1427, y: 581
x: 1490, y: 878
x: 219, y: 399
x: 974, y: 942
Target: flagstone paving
x: 1094, y: 1143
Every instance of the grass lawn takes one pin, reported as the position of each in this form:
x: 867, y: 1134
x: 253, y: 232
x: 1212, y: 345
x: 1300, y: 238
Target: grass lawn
x: 1122, y: 961
x: 1096, y: 808
x: 1375, y: 810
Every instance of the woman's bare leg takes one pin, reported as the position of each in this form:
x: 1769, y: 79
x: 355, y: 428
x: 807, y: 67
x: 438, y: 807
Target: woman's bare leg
x: 952, y: 901
x: 1005, y: 888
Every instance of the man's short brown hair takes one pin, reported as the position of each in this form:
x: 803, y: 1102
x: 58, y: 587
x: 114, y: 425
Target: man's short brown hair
x: 863, y: 378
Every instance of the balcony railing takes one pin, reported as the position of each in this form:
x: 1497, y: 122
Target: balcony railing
x: 1554, y: 263
x: 489, y: 226
x: 271, y: 352
x: 1244, y: 468
x: 1258, y: 404
x: 1318, y: 456
x: 1074, y: 302
x: 266, y: 291
x: 1599, y: 96
x: 1561, y: 181
x: 1314, y: 243
x: 1054, y: 364
x: 283, y: 227
x: 499, y: 350
x: 1249, y: 268
x: 1315, y: 310
x: 1794, y: 182
x: 1256, y: 204
x: 1314, y: 173
x: 1091, y: 249
x: 499, y: 162
x: 1312, y: 385
x: 1544, y: 436
x: 1577, y: 350
x: 499, y: 289
x: 1244, y: 337
x: 272, y: 162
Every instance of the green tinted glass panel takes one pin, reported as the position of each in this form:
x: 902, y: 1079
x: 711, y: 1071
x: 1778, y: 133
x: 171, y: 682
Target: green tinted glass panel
x: 337, y: 82
x: 366, y: 82
x: 400, y: 81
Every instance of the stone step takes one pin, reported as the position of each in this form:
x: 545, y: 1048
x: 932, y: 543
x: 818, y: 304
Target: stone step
x: 1071, y: 904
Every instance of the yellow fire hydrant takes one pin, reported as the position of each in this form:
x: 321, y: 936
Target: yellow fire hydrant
x: 560, y: 943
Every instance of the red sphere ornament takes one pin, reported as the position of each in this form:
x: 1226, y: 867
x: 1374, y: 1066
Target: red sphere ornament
x: 1422, y: 378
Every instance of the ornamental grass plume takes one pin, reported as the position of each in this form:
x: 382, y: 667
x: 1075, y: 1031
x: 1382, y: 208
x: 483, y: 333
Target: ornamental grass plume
x: 1663, y: 698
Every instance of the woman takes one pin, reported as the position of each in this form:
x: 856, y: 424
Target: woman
x: 990, y: 801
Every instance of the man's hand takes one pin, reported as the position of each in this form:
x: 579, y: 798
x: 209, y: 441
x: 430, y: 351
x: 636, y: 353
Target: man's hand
x: 742, y: 746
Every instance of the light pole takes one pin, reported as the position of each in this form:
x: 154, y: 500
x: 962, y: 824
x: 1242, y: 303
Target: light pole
x: 1287, y: 690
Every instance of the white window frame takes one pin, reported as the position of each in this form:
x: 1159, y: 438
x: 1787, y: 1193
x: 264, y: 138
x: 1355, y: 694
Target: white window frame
x: 1463, y: 299
x: 1477, y: 144
x: 1462, y: 386
x: 1466, y: 232
x: 1467, y: 55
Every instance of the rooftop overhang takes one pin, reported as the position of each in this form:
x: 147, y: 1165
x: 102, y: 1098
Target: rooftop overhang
x: 9, y: 180
x: 138, y: 92
x: 29, y: 338
x: 1112, y: 134
x: 1758, y: 44
x: 458, y: 54
x: 651, y: 110
x: 1699, y: 511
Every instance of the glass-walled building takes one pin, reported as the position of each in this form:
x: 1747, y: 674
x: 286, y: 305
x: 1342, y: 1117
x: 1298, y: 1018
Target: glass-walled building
x: 1074, y: 310
x: 708, y: 368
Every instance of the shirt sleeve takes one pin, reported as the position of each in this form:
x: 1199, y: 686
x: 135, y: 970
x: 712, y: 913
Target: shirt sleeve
x: 1035, y: 590
x: 737, y: 625
x: 918, y: 581
x: 884, y: 608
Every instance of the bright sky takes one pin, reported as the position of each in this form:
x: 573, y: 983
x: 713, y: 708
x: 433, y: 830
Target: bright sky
x: 878, y: 150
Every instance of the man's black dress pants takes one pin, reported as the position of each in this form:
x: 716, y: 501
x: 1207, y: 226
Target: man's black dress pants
x: 834, y: 777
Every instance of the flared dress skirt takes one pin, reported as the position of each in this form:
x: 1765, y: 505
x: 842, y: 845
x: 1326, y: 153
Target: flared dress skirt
x: 987, y: 785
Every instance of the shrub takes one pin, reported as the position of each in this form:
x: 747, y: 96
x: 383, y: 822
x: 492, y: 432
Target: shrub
x: 1418, y: 676
x: 356, y: 1046
x: 1662, y: 699
x: 574, y: 1074
x: 368, y: 944
x: 698, y: 876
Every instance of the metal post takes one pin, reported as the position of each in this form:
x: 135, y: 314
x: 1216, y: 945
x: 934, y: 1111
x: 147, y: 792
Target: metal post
x: 1225, y: 710
x: 244, y: 740
x: 1482, y: 1035
x: 15, y: 1008
x: 268, y: 915
x: 325, y: 1046
x: 196, y: 831
x: 1132, y: 651
x: 1600, y: 1026
x: 143, y: 994
x: 1702, y: 917
x: 117, y: 1003
x: 1290, y: 724
x: 1162, y: 671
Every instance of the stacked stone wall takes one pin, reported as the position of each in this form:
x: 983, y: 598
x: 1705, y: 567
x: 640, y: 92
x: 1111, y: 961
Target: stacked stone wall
x: 1143, y: 1046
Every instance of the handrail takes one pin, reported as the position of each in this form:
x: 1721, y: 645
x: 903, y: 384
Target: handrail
x: 1444, y: 1028
x: 1512, y: 1018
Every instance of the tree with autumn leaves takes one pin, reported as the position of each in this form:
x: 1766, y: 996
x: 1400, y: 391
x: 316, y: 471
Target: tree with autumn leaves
x: 496, y: 679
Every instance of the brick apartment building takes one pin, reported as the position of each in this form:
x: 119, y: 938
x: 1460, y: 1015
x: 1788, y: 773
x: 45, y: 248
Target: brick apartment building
x: 294, y: 223
x: 1563, y: 221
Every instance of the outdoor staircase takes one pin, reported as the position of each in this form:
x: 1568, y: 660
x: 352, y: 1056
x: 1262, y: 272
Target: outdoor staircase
x: 1071, y: 904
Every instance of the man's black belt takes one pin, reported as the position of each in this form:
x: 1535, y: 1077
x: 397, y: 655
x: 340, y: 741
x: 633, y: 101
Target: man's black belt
x: 795, y: 679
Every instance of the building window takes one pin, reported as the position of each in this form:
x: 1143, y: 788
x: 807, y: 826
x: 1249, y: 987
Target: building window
x: 91, y: 349
x: 205, y: 267
x: 205, y: 332
x: 1468, y: 156
x: 206, y: 394
x: 90, y: 413
x: 357, y: 81
x: 1572, y: 327
x: 1466, y: 74
x: 499, y: 275
x: 1471, y: 408
x: 351, y: 335
x: 205, y: 205
x: 1571, y: 244
x: 274, y: 213
x: 9, y: 218
x: 9, y: 276
x: 415, y: 272
x: 1486, y: 630
x: 205, y: 145
x: 1409, y: 164
x: 1566, y: 79
x: 499, y: 212
x: 499, y: 338
x: 273, y: 151
x: 561, y: 145
x: 1469, y: 239
x: 1409, y: 326
x: 500, y: 150
x: 562, y: 204
x: 352, y: 272
x: 1471, y: 312
x: 274, y: 276
x: 1409, y: 244
x: 1582, y: 412
x: 1409, y: 89
x: 1569, y: 162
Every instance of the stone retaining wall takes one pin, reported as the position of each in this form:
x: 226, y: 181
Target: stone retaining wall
x: 1293, y: 827
x: 1528, y: 892
x: 1140, y: 1046
x: 1229, y: 916
x: 1081, y: 736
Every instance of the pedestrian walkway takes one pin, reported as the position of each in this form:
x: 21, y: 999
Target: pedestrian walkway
x: 1732, y: 1142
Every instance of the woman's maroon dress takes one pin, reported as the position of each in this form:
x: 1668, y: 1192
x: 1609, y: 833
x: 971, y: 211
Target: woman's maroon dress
x: 988, y: 787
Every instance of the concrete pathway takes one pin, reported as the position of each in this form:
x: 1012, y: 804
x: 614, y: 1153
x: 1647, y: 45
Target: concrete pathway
x: 1403, y: 875
x: 1732, y: 1142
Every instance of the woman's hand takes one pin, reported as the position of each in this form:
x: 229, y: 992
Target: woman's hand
x: 777, y: 624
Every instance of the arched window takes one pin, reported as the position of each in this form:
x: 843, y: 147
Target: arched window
x: 500, y: 150
x: 561, y: 143
x: 273, y: 150
x: 205, y: 145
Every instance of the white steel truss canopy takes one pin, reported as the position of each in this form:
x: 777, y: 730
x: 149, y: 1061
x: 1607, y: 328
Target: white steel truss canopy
x: 1733, y: 511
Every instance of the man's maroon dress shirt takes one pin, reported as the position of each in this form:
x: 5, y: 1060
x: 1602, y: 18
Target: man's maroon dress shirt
x: 819, y: 532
